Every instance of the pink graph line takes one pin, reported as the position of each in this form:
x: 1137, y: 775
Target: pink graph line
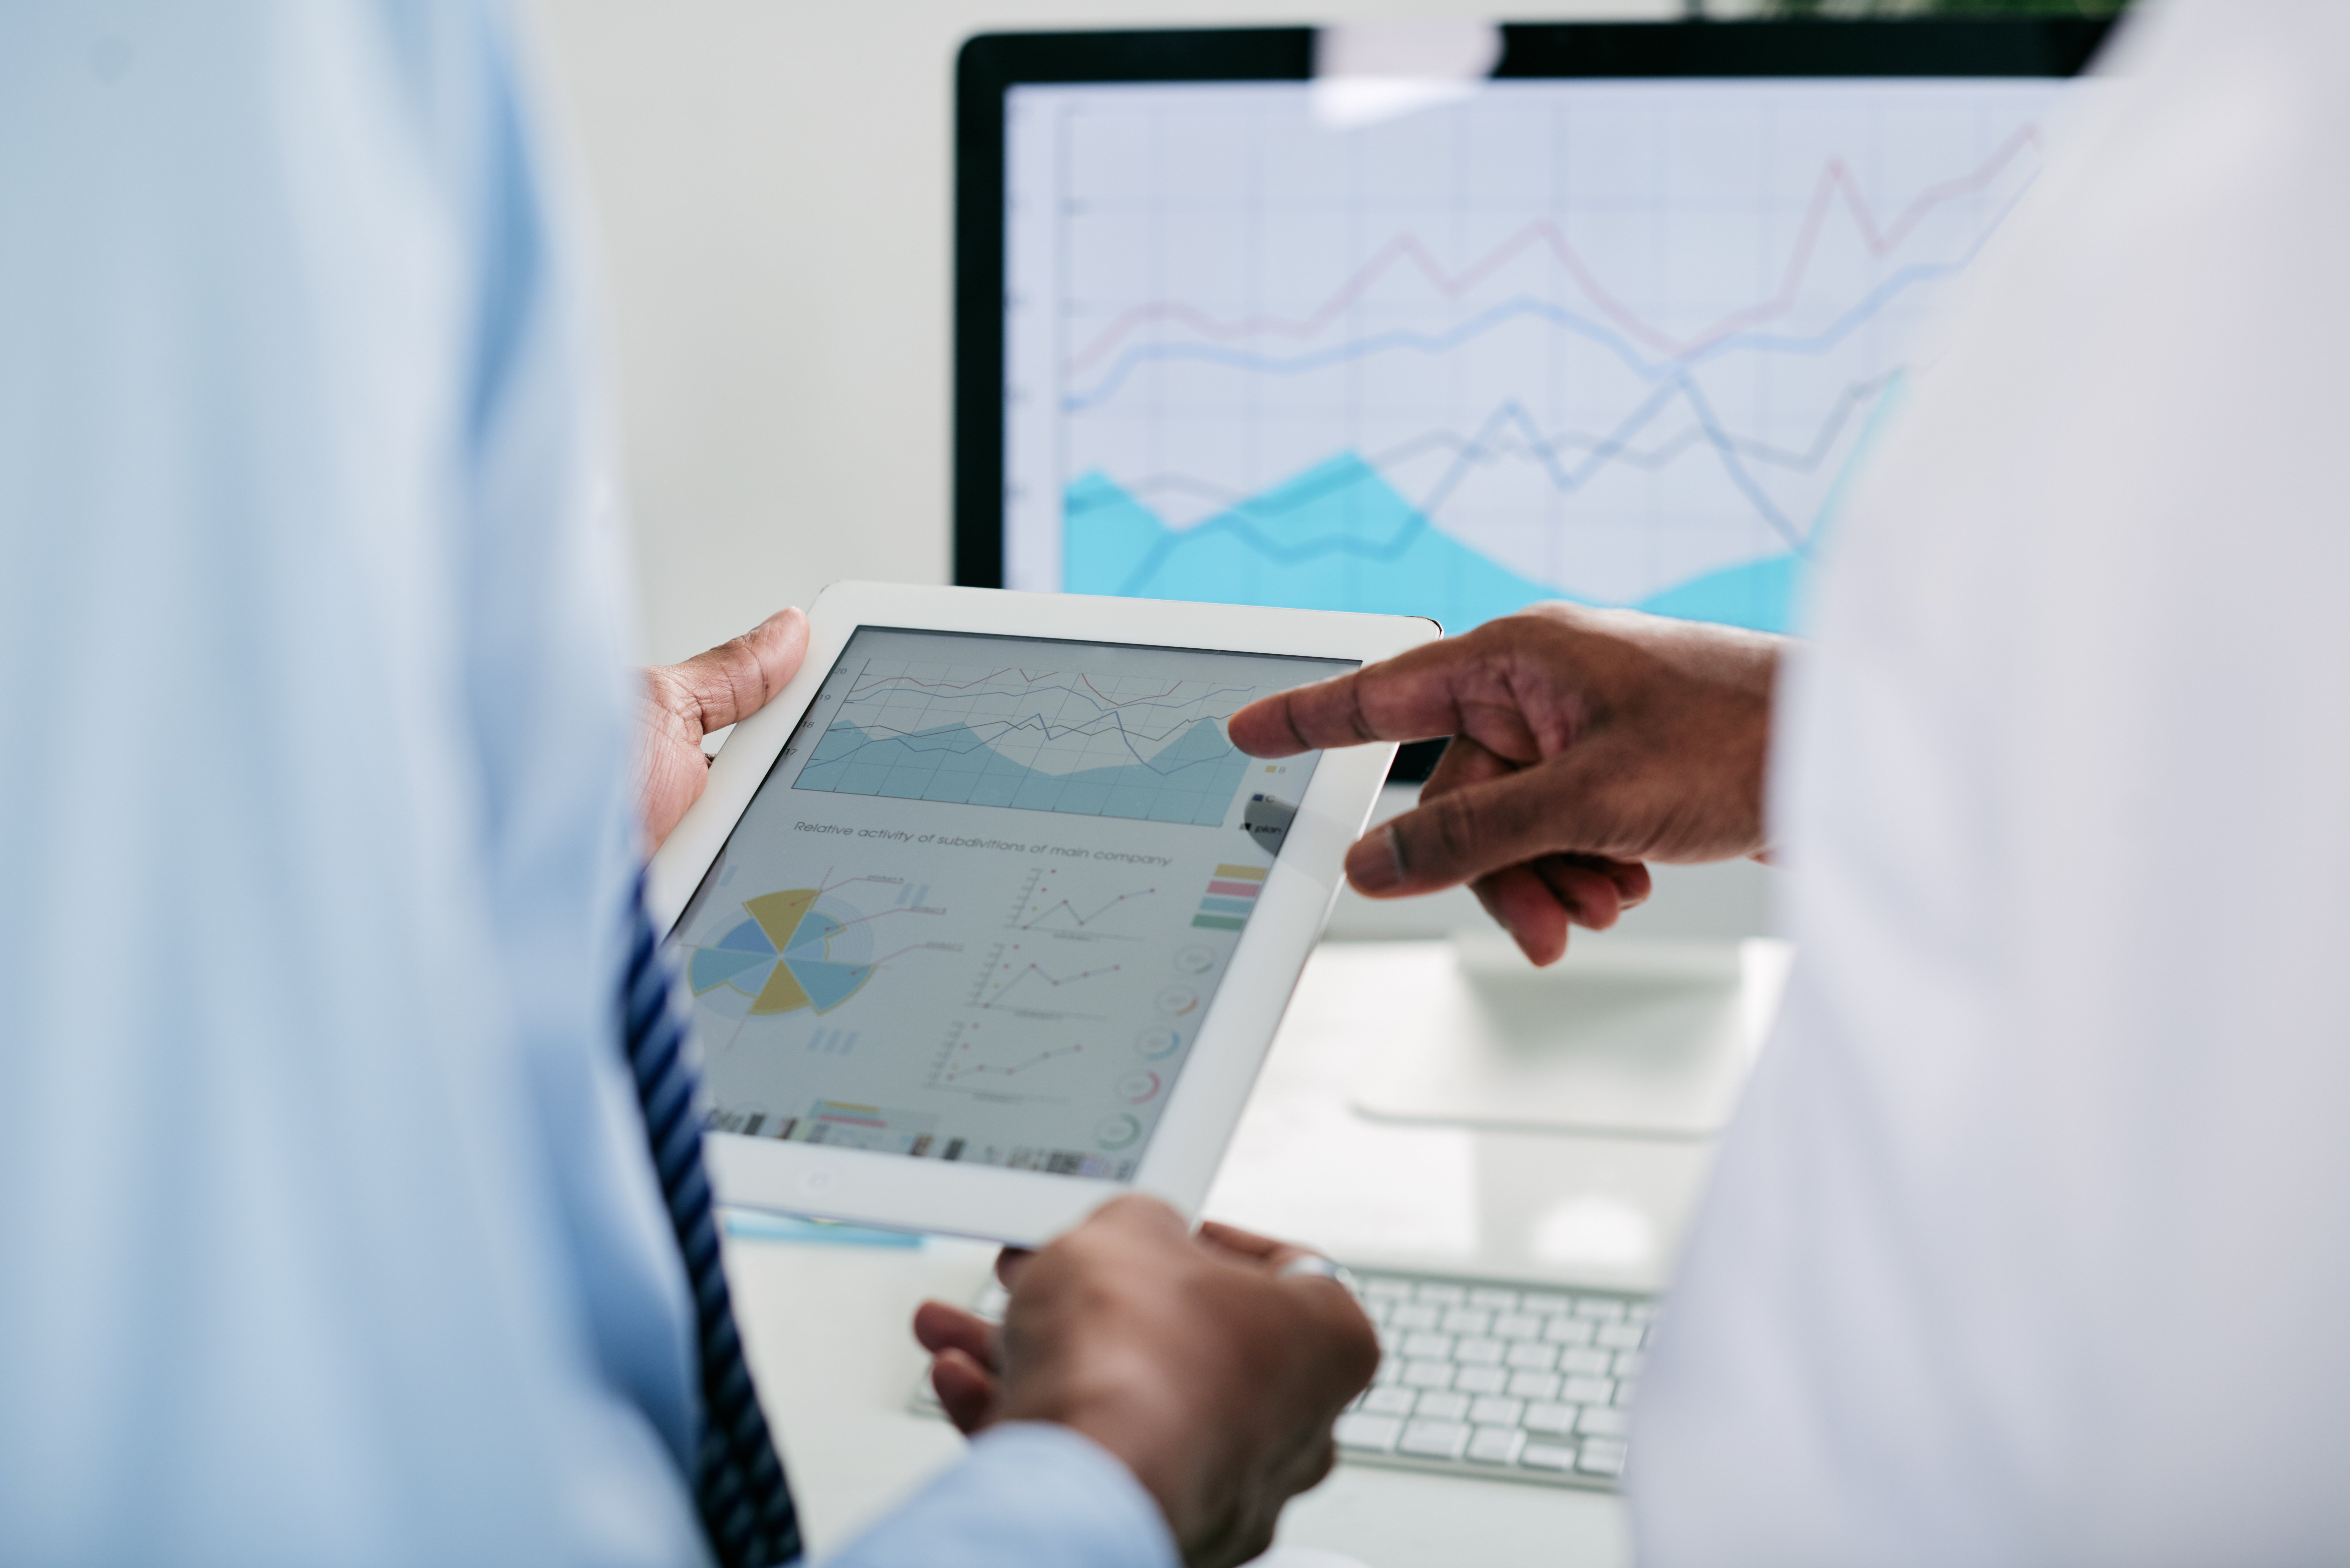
x: 1836, y: 179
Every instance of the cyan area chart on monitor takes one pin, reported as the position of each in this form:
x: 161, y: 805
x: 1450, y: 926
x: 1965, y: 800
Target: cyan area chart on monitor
x: 1621, y: 342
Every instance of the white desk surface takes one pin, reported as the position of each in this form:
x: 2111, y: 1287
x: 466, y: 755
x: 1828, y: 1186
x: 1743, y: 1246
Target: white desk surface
x: 828, y: 1325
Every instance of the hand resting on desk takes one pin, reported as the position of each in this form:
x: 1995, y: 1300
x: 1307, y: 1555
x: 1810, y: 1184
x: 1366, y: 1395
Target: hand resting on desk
x: 1214, y: 1378
x: 1585, y: 743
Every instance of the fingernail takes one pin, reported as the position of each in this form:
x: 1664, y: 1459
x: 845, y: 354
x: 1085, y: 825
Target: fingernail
x: 1373, y: 866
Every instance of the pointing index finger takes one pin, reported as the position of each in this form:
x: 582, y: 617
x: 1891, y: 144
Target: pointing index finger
x: 1409, y: 698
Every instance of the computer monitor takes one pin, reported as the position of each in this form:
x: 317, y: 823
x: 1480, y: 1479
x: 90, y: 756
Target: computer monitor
x: 1617, y: 326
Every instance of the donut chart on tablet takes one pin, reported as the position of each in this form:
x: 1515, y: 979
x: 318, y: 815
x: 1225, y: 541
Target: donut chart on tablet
x: 782, y: 958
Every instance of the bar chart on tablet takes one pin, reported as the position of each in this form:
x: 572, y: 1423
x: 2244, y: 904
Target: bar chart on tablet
x: 1623, y: 342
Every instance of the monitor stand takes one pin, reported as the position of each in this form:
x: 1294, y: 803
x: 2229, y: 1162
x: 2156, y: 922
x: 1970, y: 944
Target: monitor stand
x: 1624, y: 1037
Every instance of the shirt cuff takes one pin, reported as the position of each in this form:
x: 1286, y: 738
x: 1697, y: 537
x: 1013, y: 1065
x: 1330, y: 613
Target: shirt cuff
x: 1028, y: 1495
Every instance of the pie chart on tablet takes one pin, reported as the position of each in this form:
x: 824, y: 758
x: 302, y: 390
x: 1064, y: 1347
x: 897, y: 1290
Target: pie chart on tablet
x: 797, y: 950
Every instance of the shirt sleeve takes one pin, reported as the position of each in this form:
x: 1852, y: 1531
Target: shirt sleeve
x: 1029, y: 1494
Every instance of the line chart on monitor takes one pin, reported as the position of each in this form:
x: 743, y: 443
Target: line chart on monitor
x: 1620, y: 342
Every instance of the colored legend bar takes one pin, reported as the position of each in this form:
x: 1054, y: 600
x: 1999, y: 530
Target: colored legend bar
x: 1231, y: 894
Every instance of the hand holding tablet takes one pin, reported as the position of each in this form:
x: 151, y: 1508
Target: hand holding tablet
x: 986, y: 920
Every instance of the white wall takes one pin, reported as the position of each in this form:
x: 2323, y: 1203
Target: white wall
x: 772, y: 185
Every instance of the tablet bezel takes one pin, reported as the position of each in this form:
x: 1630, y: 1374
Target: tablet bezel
x: 1023, y: 1206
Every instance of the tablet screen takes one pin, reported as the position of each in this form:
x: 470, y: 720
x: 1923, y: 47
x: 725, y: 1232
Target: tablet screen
x: 980, y: 905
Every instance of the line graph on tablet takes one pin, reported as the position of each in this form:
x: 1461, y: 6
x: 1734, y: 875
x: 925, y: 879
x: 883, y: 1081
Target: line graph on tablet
x: 1620, y: 342
x: 1061, y: 740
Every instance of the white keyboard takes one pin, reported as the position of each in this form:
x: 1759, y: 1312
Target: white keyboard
x: 1526, y: 1382
x: 1529, y: 1382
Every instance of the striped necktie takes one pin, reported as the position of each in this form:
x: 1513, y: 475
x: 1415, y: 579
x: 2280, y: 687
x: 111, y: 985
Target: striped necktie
x: 738, y: 1481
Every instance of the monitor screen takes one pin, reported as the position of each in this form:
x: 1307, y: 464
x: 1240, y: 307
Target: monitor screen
x: 1621, y: 341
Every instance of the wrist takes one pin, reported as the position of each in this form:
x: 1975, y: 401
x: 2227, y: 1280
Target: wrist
x: 1139, y: 1426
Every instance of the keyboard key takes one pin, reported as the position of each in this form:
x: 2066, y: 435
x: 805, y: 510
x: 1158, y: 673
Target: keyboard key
x: 1426, y: 1375
x: 1587, y: 1390
x: 1630, y: 1363
x: 1390, y: 1401
x: 1389, y: 1340
x: 1641, y: 1312
x: 1531, y: 1357
x: 1568, y: 1331
x: 1587, y: 1306
x: 1620, y: 1335
x: 1376, y: 1309
x: 1601, y: 1421
x: 1387, y: 1289
x: 1557, y: 1419
x: 1369, y: 1434
x: 1532, y: 1302
x: 1534, y: 1385
x: 1517, y: 1325
x: 1442, y: 1295
x: 1589, y: 1363
x: 1432, y: 1440
x: 1496, y: 1445
x: 1493, y: 1410
x: 1546, y: 1456
x: 1481, y: 1380
x: 1624, y: 1391
x: 1414, y: 1315
x: 1435, y: 1406
x: 1390, y: 1370
x: 1479, y: 1352
x: 1492, y: 1299
x: 1439, y: 1347
x: 1602, y: 1457
x: 1471, y: 1320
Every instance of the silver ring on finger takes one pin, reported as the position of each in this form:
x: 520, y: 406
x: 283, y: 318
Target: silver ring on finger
x: 1314, y: 1265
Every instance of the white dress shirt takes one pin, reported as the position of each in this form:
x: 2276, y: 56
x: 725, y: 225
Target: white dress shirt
x: 2031, y: 1241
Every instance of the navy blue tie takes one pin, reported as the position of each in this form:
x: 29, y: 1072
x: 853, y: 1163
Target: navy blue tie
x: 738, y: 1483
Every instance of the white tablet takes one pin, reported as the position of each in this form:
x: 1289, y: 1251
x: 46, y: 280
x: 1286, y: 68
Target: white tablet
x: 985, y: 920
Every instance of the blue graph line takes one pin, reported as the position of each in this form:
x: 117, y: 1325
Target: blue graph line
x: 1737, y: 470
x: 1566, y: 481
x: 1606, y: 450
x: 1122, y: 369
x: 1648, y: 369
x: 1513, y: 412
x: 1305, y: 491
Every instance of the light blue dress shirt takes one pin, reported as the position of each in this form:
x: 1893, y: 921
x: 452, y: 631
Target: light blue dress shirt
x: 327, y: 1229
